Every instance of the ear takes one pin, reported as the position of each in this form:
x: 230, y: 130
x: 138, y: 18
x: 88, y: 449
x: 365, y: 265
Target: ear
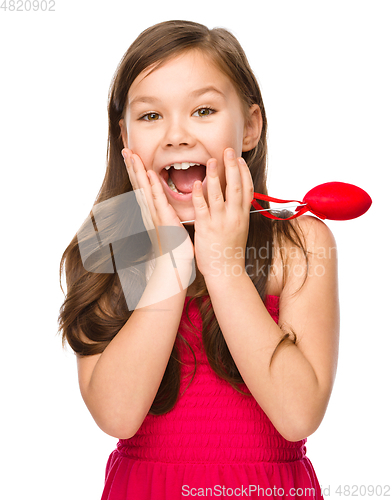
x: 253, y: 128
x: 124, y: 134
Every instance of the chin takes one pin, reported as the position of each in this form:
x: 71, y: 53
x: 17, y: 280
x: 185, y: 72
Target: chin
x: 186, y: 215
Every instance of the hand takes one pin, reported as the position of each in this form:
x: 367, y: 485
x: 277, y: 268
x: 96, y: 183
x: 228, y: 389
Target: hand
x: 156, y: 210
x: 221, y: 230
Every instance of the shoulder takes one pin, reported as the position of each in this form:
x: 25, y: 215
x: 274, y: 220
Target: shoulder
x: 291, y: 261
x: 316, y: 233
x: 310, y: 270
x: 318, y: 252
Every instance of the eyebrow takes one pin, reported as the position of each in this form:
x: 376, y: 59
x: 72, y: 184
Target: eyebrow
x: 195, y: 93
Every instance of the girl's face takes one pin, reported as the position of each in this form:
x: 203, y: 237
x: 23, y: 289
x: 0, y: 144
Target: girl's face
x: 186, y: 111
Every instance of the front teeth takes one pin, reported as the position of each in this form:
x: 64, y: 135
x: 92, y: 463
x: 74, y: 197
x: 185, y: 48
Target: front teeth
x: 182, y: 166
x: 178, y: 166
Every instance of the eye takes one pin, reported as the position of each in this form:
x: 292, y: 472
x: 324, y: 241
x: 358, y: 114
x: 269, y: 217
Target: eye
x: 205, y: 111
x: 153, y: 116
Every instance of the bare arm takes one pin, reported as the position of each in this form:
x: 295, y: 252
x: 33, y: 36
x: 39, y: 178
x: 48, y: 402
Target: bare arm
x: 120, y: 385
x: 294, y: 392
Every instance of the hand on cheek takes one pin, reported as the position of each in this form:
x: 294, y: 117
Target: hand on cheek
x: 221, y: 229
x: 155, y: 208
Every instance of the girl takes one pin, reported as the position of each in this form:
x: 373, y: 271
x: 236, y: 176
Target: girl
x: 186, y: 382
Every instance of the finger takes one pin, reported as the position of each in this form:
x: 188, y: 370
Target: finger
x: 141, y: 187
x: 167, y: 213
x: 145, y: 181
x: 202, y: 212
x: 233, y: 180
x: 247, y: 184
x: 144, y: 186
x: 140, y: 173
x: 127, y: 155
x: 158, y: 195
x: 216, y: 201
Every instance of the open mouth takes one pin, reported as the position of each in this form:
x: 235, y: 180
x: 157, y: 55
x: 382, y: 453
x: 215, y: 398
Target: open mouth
x: 180, y: 177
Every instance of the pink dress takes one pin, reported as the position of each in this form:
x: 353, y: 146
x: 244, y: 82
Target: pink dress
x: 214, y: 442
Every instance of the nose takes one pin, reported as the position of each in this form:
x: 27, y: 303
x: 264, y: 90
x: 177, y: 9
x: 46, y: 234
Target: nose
x: 177, y: 133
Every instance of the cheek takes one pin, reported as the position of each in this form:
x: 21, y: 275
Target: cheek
x: 134, y: 139
x: 141, y: 146
x: 231, y: 127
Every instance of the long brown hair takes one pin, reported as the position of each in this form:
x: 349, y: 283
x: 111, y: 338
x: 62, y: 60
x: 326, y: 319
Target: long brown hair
x: 95, y: 304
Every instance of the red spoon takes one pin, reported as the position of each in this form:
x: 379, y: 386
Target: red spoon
x: 332, y: 200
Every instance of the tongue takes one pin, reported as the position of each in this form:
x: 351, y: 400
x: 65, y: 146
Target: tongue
x: 184, y: 179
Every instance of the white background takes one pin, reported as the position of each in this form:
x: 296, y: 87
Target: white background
x: 324, y: 72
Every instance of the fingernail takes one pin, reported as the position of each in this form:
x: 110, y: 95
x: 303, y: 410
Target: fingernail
x: 123, y: 154
x: 230, y: 154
